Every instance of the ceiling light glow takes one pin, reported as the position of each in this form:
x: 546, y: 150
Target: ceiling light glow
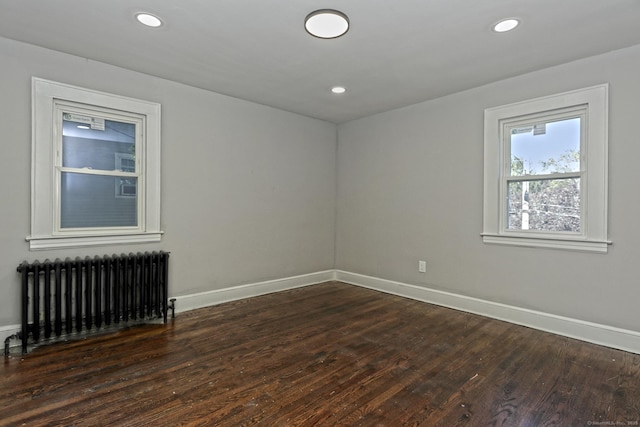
x: 338, y: 89
x: 148, y: 19
x: 326, y: 23
x: 506, y: 25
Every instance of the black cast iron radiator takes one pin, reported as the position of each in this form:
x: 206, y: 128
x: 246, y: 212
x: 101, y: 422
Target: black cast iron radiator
x: 82, y: 296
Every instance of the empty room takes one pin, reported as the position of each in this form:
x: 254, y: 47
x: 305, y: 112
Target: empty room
x: 293, y: 213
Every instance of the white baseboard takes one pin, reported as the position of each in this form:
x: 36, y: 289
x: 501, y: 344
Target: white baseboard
x: 218, y: 296
x: 609, y: 336
x: 605, y: 335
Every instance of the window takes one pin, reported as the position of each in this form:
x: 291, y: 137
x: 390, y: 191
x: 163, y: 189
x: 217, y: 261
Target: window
x: 545, y: 177
x: 85, y: 145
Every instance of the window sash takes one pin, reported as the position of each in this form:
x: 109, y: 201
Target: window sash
x: 506, y: 176
x: 550, y: 213
x: 60, y: 109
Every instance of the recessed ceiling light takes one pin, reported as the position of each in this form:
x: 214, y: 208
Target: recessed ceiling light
x: 338, y: 89
x: 326, y: 23
x: 506, y: 25
x: 148, y: 19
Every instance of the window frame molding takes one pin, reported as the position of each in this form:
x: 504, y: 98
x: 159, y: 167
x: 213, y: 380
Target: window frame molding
x: 594, y: 172
x: 44, y: 188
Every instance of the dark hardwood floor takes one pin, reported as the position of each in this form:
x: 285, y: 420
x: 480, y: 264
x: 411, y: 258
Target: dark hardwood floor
x: 325, y: 355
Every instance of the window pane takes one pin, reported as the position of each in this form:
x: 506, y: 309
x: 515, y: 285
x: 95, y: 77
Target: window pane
x: 98, y: 201
x: 89, y: 142
x: 546, y: 147
x: 544, y: 205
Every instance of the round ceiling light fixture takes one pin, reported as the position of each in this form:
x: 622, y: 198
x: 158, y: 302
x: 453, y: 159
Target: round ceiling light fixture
x: 326, y: 23
x: 338, y: 90
x: 506, y: 25
x: 148, y: 19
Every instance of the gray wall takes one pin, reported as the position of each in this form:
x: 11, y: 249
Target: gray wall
x: 410, y: 188
x: 248, y: 191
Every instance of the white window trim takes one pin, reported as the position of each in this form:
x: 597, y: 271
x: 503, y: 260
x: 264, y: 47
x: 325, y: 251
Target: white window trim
x: 43, y: 182
x: 594, y: 180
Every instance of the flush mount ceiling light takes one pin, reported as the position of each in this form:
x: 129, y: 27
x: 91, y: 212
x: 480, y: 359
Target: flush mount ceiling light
x: 506, y: 25
x: 148, y: 19
x: 326, y: 23
x: 338, y: 89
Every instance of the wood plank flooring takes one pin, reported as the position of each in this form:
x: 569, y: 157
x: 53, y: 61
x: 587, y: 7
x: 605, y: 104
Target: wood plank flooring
x: 325, y: 355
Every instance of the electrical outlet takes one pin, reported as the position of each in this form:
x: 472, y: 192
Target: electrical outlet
x: 422, y: 266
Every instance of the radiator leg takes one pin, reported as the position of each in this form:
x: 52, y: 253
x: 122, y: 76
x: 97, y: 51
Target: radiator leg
x: 6, y: 343
x: 172, y: 307
x: 25, y: 306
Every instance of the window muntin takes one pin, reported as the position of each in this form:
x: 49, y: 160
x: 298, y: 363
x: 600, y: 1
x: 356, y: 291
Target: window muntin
x: 542, y: 173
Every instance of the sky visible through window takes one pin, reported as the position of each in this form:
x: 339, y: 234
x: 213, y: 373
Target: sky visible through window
x: 536, y: 144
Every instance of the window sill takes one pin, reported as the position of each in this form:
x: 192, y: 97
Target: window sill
x: 55, y: 242
x: 564, y: 244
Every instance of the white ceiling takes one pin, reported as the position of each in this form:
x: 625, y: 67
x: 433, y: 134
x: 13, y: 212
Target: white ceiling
x: 396, y: 53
